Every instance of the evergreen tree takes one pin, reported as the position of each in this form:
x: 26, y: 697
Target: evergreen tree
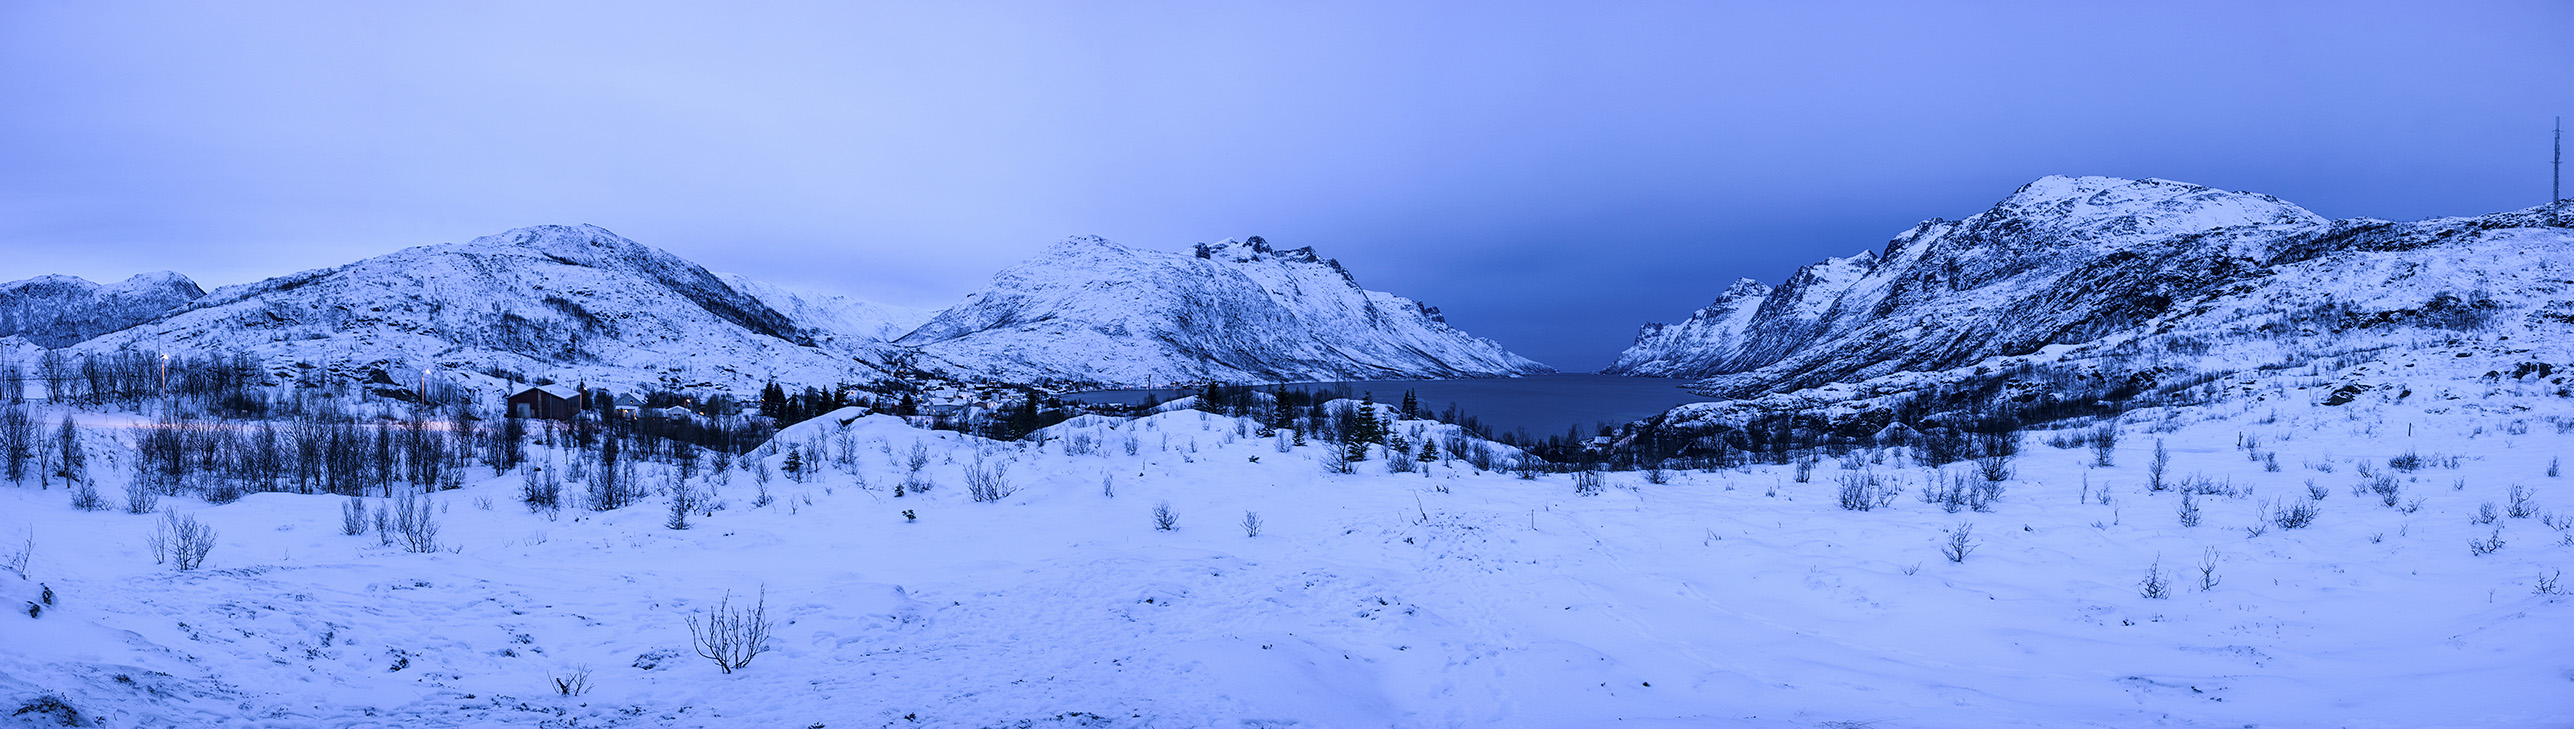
x: 1411, y: 406
x: 1429, y: 450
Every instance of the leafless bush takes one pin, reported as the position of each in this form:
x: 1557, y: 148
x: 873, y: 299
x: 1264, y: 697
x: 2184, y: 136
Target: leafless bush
x: 2104, y: 444
x: 2155, y: 469
x: 2485, y: 513
x: 1658, y: 472
x: 1164, y: 518
x: 2316, y: 493
x: 16, y: 560
x: 682, y: 500
x: 140, y: 498
x: 2208, y: 578
x: 732, y: 636
x: 1251, y: 523
x: 2156, y: 585
x: 353, y: 516
x: 1108, y: 485
x: 1961, y: 540
x: 2488, y: 545
x: 413, y: 522
x: 2520, y: 508
x: 1994, y: 468
x: 85, y: 497
x: 2189, y: 510
x: 573, y: 684
x: 2296, y: 516
x: 1858, y: 492
x: 986, y: 484
x: 181, y: 541
x: 1587, y: 482
x: 540, y: 488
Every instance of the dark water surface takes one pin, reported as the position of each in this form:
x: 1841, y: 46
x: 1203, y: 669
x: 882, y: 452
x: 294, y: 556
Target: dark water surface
x: 1542, y: 404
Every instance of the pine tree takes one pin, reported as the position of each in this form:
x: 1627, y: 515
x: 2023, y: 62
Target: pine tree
x: 1429, y: 450
x: 1411, y: 406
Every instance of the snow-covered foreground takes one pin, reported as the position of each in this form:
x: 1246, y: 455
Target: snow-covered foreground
x: 1739, y: 598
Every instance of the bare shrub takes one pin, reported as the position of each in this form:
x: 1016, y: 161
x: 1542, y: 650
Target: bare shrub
x: 988, y: 483
x: 2409, y: 462
x: 181, y: 541
x: 2208, y: 578
x: 1164, y: 518
x: 353, y: 516
x: 2155, y: 469
x: 1251, y: 523
x: 2485, y: 513
x: 414, y: 523
x: 575, y: 683
x: 2490, y: 544
x: 85, y: 497
x: 2156, y: 585
x: 2104, y: 444
x: 541, y: 489
x: 2296, y: 516
x: 732, y: 636
x: 1587, y: 482
x: 1961, y: 540
x: 2520, y: 508
x: 140, y: 498
x: 2189, y: 510
x: 1858, y: 492
x: 682, y: 500
x: 1994, y: 468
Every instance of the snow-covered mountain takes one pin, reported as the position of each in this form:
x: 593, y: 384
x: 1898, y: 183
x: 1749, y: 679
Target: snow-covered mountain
x: 1087, y: 312
x: 564, y: 302
x: 834, y: 317
x: 55, y: 310
x: 2068, y: 261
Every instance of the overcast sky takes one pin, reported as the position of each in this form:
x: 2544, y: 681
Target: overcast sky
x: 1551, y: 174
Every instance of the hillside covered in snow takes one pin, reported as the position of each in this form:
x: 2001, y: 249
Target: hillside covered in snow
x: 570, y: 303
x: 56, y: 311
x: 2093, y: 260
x: 1088, y: 313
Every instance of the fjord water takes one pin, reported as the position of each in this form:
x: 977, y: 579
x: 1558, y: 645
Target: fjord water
x: 1542, y: 404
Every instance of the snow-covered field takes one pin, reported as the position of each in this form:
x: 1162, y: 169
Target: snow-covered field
x: 1456, y: 598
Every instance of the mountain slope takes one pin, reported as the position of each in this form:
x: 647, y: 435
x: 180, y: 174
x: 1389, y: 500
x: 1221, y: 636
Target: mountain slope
x: 56, y: 311
x: 1088, y: 313
x: 2061, y: 261
x: 573, y: 303
x: 834, y: 317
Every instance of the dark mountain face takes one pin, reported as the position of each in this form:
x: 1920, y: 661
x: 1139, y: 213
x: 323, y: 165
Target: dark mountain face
x: 58, y: 311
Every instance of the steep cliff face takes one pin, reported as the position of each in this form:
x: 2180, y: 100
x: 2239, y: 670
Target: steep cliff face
x: 2061, y: 261
x: 1087, y: 312
x: 567, y: 302
x: 56, y: 311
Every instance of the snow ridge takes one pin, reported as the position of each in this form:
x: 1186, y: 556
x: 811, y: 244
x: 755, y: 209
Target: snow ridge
x: 2061, y: 261
x: 567, y: 302
x: 55, y: 310
x: 1089, y: 313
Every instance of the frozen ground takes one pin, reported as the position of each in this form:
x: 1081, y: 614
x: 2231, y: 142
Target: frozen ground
x: 1738, y: 598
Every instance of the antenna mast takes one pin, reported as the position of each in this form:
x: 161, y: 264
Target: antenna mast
x: 2556, y: 180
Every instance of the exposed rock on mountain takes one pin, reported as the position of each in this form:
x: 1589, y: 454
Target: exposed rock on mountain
x: 56, y: 311
x: 1088, y: 313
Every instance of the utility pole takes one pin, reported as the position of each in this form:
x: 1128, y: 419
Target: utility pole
x: 2556, y: 180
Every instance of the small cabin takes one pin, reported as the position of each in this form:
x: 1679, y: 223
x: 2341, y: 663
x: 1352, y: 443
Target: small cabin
x: 546, y: 402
